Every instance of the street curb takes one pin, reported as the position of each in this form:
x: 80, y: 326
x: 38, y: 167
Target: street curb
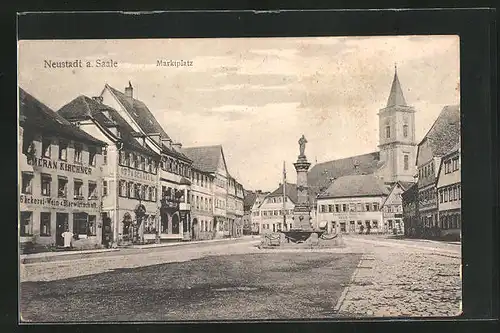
x: 44, y: 255
x: 154, y: 246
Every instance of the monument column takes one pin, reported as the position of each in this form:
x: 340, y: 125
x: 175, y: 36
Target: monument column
x: 302, y: 209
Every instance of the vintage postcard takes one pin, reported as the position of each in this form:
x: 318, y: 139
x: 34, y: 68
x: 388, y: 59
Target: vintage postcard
x: 239, y: 178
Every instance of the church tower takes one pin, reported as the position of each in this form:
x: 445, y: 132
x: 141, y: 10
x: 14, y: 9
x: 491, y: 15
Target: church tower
x: 397, y: 136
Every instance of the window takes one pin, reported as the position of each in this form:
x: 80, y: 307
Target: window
x: 445, y: 195
x: 78, y: 153
x: 92, y: 225
x: 441, y: 196
x: 352, y: 207
x: 387, y: 131
x: 455, y: 164
x: 344, y: 207
x: 80, y: 224
x: 450, y: 193
x: 27, y: 183
x: 26, y: 224
x: 104, y: 155
x: 143, y: 163
x: 375, y: 206
x: 63, y: 150
x: 46, y: 145
x: 130, y: 190
x: 406, y: 162
x: 131, y: 160
x: 46, y: 183
x: 330, y: 208
x: 62, y: 187
x: 78, y: 186
x: 342, y: 226
x: 123, y: 188
x: 367, y: 207
x: 375, y: 224
x: 459, y: 192
x: 92, y: 190
x: 44, y: 224
x: 105, y: 188
x: 92, y: 156
x: 405, y: 130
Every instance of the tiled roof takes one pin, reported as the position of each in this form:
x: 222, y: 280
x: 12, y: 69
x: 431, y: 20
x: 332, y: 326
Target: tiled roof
x: 83, y: 107
x: 396, y: 97
x: 140, y: 113
x: 356, y: 186
x: 320, y: 176
x: 206, y: 158
x: 290, y: 191
x: 249, y: 199
x: 37, y: 115
x: 445, y: 132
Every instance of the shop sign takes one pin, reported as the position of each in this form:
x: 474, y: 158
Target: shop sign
x: 56, y: 202
x: 58, y: 165
x: 136, y: 174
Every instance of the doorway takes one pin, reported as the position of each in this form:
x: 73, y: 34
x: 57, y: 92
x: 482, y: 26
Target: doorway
x: 62, y: 224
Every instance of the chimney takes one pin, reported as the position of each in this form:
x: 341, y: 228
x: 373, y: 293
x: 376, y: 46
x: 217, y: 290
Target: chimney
x: 98, y: 99
x: 167, y: 142
x: 129, y: 91
x: 177, y: 146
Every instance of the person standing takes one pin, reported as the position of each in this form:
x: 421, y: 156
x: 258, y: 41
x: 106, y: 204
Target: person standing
x: 68, y: 237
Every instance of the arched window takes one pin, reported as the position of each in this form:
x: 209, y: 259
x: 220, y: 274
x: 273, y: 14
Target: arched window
x: 405, y: 130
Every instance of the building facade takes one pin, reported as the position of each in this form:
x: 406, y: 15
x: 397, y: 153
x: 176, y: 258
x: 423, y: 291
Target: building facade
x: 130, y: 172
x: 411, y: 218
x: 60, y: 179
x: 202, y: 210
x: 392, y: 209
x: 352, y: 204
x: 449, y: 193
x: 443, y: 135
x: 275, y: 210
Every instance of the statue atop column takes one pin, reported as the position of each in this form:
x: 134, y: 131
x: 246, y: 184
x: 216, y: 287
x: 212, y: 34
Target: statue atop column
x: 302, y: 145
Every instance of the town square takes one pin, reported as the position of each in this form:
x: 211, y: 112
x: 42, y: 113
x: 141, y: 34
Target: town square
x: 241, y: 186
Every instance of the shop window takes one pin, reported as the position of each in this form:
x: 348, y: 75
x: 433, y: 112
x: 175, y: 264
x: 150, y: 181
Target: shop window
x: 46, y: 184
x: 92, y: 190
x: 62, y: 187
x: 78, y: 153
x: 44, y: 224
x: 78, y: 189
x: 92, y: 225
x: 80, y: 224
x: 92, y: 156
x: 63, y: 150
x: 26, y: 224
x: 27, y: 183
x: 46, y: 148
x: 105, y: 188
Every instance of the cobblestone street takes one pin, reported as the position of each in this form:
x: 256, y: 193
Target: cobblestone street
x: 404, y: 278
x: 390, y: 278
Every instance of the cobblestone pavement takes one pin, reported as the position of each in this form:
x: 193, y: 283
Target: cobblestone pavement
x: 403, y: 278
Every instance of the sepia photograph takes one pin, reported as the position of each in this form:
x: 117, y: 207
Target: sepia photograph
x: 212, y: 179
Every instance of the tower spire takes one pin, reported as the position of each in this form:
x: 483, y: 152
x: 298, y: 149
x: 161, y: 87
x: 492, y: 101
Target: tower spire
x: 396, y: 97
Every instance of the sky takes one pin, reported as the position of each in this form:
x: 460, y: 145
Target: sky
x: 257, y: 96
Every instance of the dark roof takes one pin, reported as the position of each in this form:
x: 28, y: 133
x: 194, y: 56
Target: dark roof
x: 145, y: 119
x: 396, y: 97
x: 290, y: 189
x: 356, y: 186
x: 206, y: 158
x: 38, y: 116
x: 320, y: 176
x: 140, y: 113
x: 445, y: 132
x: 84, y: 108
x: 406, y: 185
x: 249, y: 199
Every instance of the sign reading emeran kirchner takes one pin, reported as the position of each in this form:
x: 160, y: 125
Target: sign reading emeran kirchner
x: 45, y: 163
x: 54, y: 202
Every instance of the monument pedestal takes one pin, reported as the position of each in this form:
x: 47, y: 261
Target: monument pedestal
x: 302, y: 209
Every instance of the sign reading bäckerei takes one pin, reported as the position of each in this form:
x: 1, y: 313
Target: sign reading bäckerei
x: 59, y: 165
x: 56, y: 202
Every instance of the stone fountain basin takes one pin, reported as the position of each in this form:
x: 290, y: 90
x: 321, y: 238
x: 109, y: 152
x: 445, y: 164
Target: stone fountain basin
x: 298, y: 235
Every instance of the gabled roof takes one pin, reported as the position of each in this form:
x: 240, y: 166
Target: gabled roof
x: 321, y: 175
x: 249, y: 199
x: 38, y: 116
x: 444, y: 134
x: 205, y: 158
x: 85, y: 108
x: 356, y: 186
x: 404, y: 186
x: 290, y: 192
x: 140, y: 113
x: 396, y: 97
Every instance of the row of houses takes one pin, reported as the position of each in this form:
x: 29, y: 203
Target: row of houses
x: 404, y: 187
x: 104, y: 168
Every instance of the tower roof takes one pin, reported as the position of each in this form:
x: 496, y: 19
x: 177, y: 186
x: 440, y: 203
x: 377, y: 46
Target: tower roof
x: 396, y: 97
